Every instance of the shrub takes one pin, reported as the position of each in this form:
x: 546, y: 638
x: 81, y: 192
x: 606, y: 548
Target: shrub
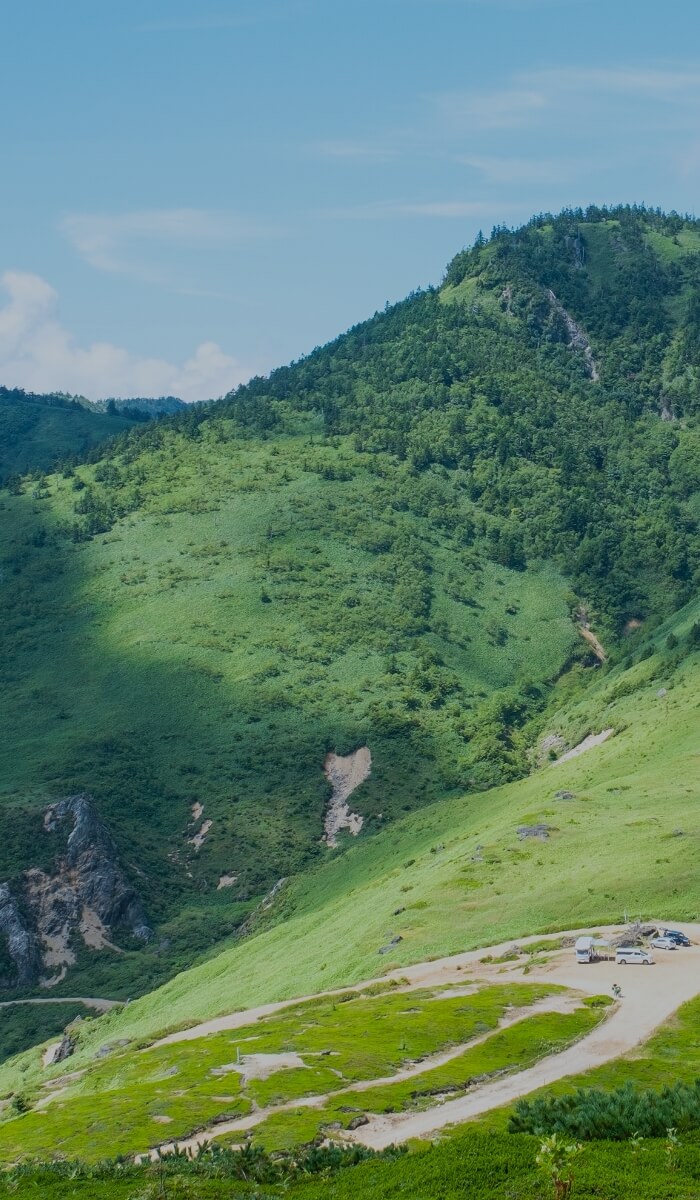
x: 591, y: 1114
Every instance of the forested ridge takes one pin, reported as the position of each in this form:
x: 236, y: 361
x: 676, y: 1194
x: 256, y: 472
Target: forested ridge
x: 479, y: 379
x: 42, y: 431
x: 474, y: 390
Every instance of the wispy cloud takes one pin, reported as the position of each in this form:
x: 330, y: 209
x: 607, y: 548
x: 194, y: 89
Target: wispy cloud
x: 37, y: 352
x: 638, y: 80
x: 531, y: 97
x: 524, y: 170
x: 107, y: 240
x: 349, y: 150
x: 384, y: 210
x: 508, y: 108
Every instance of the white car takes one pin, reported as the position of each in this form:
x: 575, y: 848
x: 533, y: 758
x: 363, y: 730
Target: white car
x: 663, y: 943
x: 633, y: 954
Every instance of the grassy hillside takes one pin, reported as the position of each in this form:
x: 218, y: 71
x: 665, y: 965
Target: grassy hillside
x: 338, y: 1043
x: 455, y: 875
x: 386, y: 544
x: 38, y: 431
x: 214, y: 648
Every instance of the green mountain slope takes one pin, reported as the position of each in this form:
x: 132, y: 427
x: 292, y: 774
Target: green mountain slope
x: 39, y: 431
x: 387, y: 544
x: 453, y: 876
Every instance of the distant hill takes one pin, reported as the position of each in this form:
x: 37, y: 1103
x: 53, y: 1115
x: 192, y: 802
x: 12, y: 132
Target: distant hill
x: 151, y: 406
x: 41, y: 431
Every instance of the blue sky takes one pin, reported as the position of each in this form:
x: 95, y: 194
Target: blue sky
x: 196, y: 191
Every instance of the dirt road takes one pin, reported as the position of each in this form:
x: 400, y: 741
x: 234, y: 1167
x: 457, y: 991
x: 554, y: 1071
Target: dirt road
x: 650, y: 995
x: 100, y: 1006
x: 425, y: 974
x: 558, y: 1003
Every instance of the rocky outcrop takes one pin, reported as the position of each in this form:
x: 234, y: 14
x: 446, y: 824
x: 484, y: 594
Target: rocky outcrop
x: 62, y: 1050
x: 20, y: 941
x: 345, y: 773
x: 577, y: 339
x: 91, y: 866
x: 87, y: 897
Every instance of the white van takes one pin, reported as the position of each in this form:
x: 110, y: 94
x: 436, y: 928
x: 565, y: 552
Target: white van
x: 632, y: 954
x: 584, y: 950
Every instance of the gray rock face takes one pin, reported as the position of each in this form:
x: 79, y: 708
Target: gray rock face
x: 87, y: 897
x: 64, y: 1049
x: 577, y: 339
x: 21, y: 942
x: 92, y: 860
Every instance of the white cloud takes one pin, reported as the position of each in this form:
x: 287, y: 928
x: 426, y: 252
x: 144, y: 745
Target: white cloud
x: 347, y: 150
x: 524, y: 170
x: 38, y: 353
x: 508, y: 108
x: 559, y: 92
x: 114, y: 241
x: 441, y: 209
x: 650, y: 81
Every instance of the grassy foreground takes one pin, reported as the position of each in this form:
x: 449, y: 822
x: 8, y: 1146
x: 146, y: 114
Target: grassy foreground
x: 470, y: 1167
x: 132, y: 1101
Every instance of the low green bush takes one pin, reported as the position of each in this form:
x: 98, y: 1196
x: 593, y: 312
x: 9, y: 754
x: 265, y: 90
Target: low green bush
x: 592, y: 1114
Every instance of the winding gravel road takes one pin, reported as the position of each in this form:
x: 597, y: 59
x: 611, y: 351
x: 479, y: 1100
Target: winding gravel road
x: 650, y: 996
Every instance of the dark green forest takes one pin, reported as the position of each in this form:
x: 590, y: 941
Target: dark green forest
x: 40, y: 432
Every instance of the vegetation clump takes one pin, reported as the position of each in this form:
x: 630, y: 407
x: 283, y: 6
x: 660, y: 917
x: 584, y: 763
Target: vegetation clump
x: 593, y: 1114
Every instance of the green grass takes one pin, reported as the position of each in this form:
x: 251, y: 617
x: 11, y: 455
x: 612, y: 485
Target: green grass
x: 213, y: 647
x: 132, y: 1101
x: 425, y: 879
x: 511, y: 1050
x: 473, y: 1166
x: 639, y: 786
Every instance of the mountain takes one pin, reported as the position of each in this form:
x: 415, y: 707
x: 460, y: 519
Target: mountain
x: 573, y: 845
x: 395, y: 555
x: 41, y: 432
x: 150, y: 406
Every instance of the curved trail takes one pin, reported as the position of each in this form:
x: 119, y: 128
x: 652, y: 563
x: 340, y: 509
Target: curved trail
x: 100, y: 1006
x: 549, y: 1004
x: 650, y: 996
x: 425, y: 974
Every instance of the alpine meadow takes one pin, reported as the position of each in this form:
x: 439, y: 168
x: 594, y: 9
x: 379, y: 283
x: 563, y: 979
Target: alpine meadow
x: 384, y: 666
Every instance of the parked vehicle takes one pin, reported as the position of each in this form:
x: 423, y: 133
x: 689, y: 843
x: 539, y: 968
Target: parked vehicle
x: 584, y: 950
x: 633, y: 954
x: 663, y: 943
x: 679, y: 938
x: 591, y: 949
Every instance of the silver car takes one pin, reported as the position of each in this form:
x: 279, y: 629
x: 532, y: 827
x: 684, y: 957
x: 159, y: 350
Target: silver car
x: 663, y: 943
